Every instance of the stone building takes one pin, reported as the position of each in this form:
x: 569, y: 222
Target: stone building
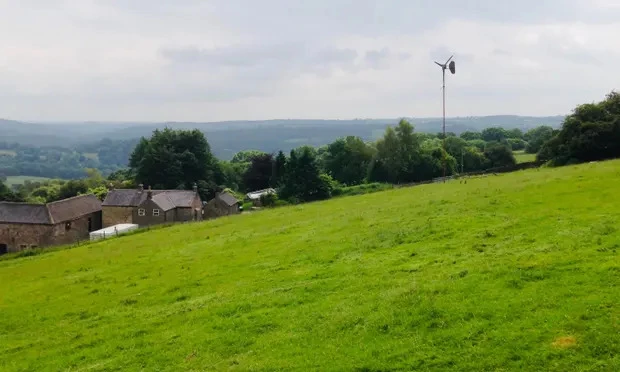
x: 151, y: 207
x: 67, y: 221
x: 224, y: 204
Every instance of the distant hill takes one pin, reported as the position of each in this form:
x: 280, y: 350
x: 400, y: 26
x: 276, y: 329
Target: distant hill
x: 227, y: 138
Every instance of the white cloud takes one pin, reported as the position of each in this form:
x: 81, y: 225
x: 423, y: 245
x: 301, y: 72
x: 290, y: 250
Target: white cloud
x: 220, y: 60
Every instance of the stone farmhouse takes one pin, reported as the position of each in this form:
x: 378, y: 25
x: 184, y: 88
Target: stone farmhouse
x: 224, y: 204
x: 150, y: 207
x: 67, y: 221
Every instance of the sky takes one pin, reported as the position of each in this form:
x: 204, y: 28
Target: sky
x: 191, y: 60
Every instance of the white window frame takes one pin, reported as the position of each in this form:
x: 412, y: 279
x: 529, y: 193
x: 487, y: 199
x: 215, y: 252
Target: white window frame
x: 141, y: 212
x: 155, y: 212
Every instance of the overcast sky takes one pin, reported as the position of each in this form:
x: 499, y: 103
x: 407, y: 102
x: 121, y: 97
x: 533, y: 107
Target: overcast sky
x: 191, y: 60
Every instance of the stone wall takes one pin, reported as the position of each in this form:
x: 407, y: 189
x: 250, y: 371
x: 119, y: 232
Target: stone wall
x: 116, y: 215
x: 216, y: 208
x: 78, y: 230
x: 190, y: 214
x: 148, y: 218
x: 21, y: 236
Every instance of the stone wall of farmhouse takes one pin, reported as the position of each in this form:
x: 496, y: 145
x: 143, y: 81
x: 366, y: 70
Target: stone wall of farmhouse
x: 116, y: 215
x: 21, y: 236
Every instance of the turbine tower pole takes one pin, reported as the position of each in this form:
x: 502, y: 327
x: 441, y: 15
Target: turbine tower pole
x: 443, y: 88
x: 445, y: 66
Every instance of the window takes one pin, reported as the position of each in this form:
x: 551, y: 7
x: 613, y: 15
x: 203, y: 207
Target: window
x: 68, y: 226
x: 33, y: 246
x: 155, y: 212
x: 23, y: 246
x: 90, y: 224
x: 141, y: 212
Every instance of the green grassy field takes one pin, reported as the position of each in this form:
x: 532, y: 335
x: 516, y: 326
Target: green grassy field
x: 512, y: 272
x: 19, y: 180
x: 523, y: 157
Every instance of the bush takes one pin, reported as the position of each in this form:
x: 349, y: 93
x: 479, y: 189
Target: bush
x: 268, y: 200
x: 361, y: 189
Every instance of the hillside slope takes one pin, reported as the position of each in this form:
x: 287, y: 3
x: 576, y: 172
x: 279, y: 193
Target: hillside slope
x: 511, y: 272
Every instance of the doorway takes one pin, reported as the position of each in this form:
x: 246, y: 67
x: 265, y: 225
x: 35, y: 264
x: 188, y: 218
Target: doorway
x: 4, y: 249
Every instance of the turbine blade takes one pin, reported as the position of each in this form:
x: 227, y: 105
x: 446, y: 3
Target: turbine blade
x: 449, y: 59
x: 439, y: 64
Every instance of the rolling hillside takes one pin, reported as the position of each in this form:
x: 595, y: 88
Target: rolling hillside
x: 511, y: 272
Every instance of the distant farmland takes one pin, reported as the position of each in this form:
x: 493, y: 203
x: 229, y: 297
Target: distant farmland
x: 523, y: 157
x: 20, y: 180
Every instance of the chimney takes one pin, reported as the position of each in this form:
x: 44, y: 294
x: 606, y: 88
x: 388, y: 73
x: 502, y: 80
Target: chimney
x: 149, y: 193
x: 110, y: 186
x: 195, y: 188
x: 140, y: 187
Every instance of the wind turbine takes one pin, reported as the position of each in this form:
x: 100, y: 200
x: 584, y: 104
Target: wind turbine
x: 450, y: 65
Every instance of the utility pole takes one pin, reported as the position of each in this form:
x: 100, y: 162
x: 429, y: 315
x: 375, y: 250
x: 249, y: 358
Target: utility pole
x: 448, y: 65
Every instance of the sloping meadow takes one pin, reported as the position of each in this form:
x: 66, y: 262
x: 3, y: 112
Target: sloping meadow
x: 511, y: 272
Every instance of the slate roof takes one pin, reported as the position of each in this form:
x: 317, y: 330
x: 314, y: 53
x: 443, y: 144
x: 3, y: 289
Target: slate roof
x: 227, y: 198
x: 49, y: 214
x: 72, y: 208
x: 163, y: 201
x: 135, y: 197
x: 24, y: 213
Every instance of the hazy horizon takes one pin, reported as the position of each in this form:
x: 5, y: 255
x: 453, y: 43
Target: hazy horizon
x: 132, y: 122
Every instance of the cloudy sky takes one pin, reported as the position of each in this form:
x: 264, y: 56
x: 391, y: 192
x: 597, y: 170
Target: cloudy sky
x: 157, y: 60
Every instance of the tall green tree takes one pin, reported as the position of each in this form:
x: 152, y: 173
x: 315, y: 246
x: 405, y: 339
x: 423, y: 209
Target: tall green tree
x: 173, y: 159
x: 537, y: 137
x: 591, y: 132
x: 499, y: 155
x: 398, y: 154
x: 259, y: 173
x: 494, y: 134
x: 469, y: 135
x: 279, y: 170
x: 515, y: 133
x: 347, y: 160
x: 303, y: 180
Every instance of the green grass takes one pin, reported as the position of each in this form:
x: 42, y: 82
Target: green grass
x: 512, y: 272
x: 8, y: 153
x: 523, y: 157
x: 20, y: 180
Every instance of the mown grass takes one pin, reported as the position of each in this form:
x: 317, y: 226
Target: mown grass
x: 20, y: 180
x: 512, y: 272
x: 523, y: 157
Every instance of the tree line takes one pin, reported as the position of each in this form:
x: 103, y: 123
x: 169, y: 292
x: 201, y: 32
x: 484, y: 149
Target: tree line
x: 176, y: 159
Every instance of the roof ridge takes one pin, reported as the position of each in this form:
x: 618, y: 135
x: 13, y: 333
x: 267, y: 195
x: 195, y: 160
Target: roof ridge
x: 22, y: 203
x: 71, y: 198
x: 49, y: 213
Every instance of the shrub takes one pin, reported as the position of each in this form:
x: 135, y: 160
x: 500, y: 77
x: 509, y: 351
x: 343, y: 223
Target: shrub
x: 268, y: 200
